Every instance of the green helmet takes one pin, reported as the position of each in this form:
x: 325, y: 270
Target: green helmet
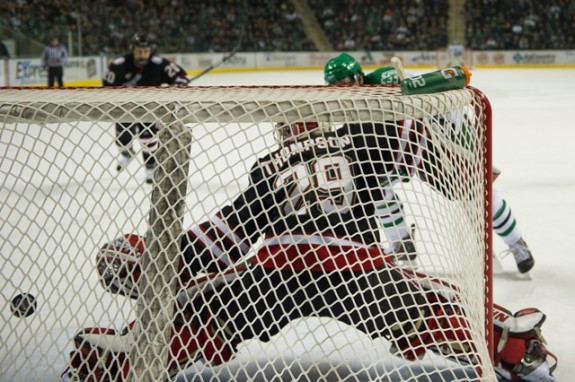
x: 341, y: 67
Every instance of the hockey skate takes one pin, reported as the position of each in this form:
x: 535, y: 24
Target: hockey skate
x: 522, y: 254
x: 149, y: 175
x: 124, y: 160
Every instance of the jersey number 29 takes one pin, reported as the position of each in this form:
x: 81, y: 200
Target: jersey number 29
x: 325, y: 183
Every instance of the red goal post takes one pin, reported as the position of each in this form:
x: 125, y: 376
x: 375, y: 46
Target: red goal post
x: 62, y: 199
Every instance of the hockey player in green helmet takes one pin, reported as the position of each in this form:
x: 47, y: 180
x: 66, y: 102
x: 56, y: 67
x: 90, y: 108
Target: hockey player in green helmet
x: 345, y: 70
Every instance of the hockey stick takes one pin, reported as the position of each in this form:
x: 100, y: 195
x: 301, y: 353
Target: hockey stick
x: 369, y: 57
x: 221, y: 61
x: 497, y: 265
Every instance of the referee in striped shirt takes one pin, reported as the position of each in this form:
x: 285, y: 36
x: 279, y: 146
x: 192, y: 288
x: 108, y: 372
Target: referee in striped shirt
x: 53, y: 59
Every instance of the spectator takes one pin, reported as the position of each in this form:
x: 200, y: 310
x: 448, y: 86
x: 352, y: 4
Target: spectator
x: 372, y: 23
x: 525, y: 25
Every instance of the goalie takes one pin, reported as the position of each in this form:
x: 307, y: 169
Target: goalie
x: 313, y: 202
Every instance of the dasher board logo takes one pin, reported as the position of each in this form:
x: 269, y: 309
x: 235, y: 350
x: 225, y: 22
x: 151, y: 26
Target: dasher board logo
x: 534, y: 58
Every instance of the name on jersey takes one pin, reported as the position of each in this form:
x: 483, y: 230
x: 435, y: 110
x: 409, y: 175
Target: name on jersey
x: 278, y: 159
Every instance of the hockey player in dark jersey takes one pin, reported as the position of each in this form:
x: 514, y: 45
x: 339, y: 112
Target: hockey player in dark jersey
x: 345, y: 70
x: 312, y: 201
x: 141, y: 67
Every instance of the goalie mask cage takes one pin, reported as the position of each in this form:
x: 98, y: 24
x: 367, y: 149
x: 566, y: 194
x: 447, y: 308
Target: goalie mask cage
x: 61, y: 199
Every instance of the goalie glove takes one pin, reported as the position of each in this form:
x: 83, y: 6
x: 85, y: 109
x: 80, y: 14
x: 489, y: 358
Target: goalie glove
x: 102, y: 354
x: 118, y: 265
x: 520, y: 351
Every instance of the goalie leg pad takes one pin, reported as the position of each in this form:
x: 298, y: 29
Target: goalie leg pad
x: 94, y: 357
x: 520, y: 349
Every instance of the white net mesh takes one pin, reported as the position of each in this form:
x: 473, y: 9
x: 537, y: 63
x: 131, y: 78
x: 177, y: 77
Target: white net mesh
x: 344, y: 306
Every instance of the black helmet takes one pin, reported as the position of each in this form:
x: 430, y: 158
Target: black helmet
x: 142, y: 40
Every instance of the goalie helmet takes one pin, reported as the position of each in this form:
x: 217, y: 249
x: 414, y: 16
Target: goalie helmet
x: 289, y: 132
x: 342, y: 67
x: 118, y: 265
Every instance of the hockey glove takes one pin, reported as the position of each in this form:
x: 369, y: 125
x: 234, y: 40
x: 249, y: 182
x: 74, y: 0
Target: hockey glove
x: 102, y: 354
x: 440, y: 327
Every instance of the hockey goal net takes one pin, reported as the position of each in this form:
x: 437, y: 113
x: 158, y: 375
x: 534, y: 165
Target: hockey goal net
x: 61, y: 199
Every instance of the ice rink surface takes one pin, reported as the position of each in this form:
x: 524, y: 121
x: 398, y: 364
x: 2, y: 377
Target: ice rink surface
x: 533, y: 137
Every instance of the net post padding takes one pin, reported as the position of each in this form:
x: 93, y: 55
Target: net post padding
x: 149, y: 353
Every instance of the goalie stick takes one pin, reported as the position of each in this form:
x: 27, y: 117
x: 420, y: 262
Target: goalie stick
x: 222, y: 60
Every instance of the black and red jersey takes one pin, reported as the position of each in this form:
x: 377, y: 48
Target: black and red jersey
x: 158, y: 71
x: 313, y: 201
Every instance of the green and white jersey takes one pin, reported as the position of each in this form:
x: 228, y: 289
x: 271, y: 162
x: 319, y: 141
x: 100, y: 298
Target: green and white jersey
x: 382, y: 76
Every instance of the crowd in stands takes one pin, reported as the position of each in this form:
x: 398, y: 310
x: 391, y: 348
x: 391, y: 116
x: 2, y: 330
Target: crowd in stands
x: 275, y: 25
x: 383, y: 25
x: 179, y: 26
x: 520, y: 24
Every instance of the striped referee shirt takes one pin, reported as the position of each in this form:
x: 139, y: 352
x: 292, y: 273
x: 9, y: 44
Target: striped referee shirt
x: 54, y: 56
